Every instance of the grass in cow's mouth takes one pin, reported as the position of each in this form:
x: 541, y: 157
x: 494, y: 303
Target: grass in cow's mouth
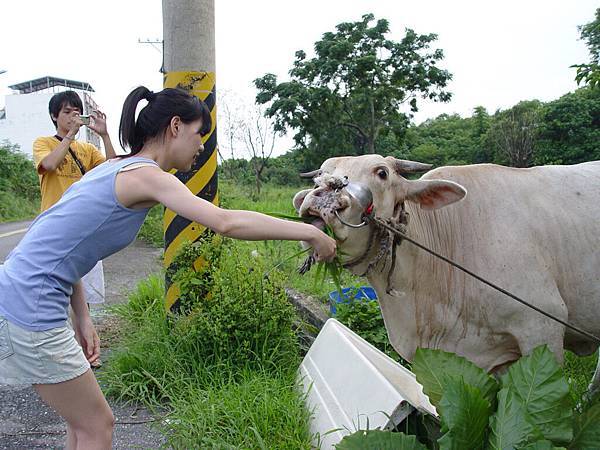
x: 332, y: 268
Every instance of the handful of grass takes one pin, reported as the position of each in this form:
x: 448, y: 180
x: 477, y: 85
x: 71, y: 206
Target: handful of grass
x: 332, y: 268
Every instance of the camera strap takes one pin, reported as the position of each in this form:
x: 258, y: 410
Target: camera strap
x: 73, y: 155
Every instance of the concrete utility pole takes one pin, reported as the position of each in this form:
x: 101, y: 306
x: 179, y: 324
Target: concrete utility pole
x: 189, y: 63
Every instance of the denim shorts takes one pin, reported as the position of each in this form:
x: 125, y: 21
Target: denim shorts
x: 39, y: 357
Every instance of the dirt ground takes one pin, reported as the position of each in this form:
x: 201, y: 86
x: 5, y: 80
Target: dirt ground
x: 27, y: 423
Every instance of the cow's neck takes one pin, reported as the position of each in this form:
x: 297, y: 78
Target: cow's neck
x: 417, y: 278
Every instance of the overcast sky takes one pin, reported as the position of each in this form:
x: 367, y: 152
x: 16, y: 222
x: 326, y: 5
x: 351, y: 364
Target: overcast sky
x: 499, y: 52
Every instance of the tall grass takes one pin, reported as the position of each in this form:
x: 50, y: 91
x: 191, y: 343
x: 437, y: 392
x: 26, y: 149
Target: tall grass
x: 19, y: 186
x: 15, y: 207
x: 152, y: 228
x: 225, y: 372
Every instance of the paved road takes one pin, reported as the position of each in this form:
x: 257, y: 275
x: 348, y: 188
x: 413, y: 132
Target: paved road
x: 26, y: 422
x: 10, y: 234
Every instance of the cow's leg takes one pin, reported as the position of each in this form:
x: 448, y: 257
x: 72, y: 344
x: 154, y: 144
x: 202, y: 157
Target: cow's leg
x: 535, y: 329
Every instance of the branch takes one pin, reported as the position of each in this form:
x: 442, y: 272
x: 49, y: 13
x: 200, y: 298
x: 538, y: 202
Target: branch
x: 351, y: 125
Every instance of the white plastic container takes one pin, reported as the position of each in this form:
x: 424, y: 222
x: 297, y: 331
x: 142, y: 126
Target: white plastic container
x: 351, y: 385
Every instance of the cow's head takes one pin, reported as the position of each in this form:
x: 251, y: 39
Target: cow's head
x: 384, y: 177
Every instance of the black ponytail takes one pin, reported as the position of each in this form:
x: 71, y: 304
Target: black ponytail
x: 156, y: 116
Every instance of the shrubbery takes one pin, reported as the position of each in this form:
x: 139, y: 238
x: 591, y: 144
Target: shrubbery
x: 19, y: 186
x: 529, y: 407
x: 234, y: 308
x: 226, y: 369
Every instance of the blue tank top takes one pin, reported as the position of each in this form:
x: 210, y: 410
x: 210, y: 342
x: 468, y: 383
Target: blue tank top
x: 63, y: 243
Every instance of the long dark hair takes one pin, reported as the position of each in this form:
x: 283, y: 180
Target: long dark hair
x: 156, y: 116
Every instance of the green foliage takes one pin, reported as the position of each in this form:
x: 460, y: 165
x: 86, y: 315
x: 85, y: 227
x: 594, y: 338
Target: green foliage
x: 539, y: 384
x: 19, y: 185
x: 579, y: 371
x: 380, y: 440
x: 510, y: 426
x: 563, y: 131
x: 590, y: 73
x: 446, y: 140
x: 542, y: 445
x: 226, y: 372
x: 533, y: 408
x: 513, y: 133
x: 466, y: 413
x: 152, y: 228
x: 246, y: 318
x: 195, y: 265
x: 570, y: 129
x: 257, y: 411
x: 435, y: 368
x: 587, y: 430
x: 352, y: 91
x: 364, y: 318
x: 147, y: 298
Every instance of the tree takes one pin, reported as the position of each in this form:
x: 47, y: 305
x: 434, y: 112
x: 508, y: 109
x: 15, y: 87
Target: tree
x: 514, y: 133
x: 448, y: 139
x: 590, y: 73
x: 229, y: 125
x: 353, y: 91
x: 480, y: 122
x: 248, y: 134
x: 570, y: 129
x: 258, y: 136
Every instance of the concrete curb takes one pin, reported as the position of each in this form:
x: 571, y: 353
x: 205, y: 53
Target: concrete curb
x: 310, y: 309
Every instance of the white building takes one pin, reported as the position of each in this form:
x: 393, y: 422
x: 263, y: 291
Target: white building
x: 25, y: 116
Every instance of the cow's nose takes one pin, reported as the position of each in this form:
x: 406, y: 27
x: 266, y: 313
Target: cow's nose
x: 299, y: 199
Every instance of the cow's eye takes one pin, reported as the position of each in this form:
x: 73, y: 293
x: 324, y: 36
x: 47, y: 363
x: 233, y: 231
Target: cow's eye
x: 382, y: 173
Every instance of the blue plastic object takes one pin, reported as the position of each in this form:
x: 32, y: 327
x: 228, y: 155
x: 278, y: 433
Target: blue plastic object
x: 362, y: 293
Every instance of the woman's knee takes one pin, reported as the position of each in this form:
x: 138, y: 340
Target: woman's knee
x: 103, y: 422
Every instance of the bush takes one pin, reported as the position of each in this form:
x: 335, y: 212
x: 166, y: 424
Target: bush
x: 226, y: 372
x: 19, y: 185
x: 529, y: 407
x: 192, y: 274
x: 234, y: 309
x: 365, y: 319
x: 152, y: 228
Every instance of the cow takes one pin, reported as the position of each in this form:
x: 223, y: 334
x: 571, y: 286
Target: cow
x: 533, y: 231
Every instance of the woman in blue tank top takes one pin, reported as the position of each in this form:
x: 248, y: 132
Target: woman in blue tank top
x: 96, y: 217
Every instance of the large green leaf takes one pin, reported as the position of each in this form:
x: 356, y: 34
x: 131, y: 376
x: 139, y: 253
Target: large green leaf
x: 511, y: 427
x: 379, y: 440
x: 587, y: 430
x: 434, y: 368
x: 465, y: 415
x: 542, y: 445
x: 538, y: 381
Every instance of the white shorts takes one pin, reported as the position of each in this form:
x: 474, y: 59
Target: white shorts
x: 93, y: 284
x: 39, y: 357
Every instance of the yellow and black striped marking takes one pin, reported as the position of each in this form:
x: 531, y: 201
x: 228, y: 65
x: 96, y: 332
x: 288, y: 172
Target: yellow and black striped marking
x: 201, y: 180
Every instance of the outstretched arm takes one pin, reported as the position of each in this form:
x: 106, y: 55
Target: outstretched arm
x: 249, y: 225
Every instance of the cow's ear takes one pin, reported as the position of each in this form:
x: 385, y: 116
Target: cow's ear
x: 434, y: 194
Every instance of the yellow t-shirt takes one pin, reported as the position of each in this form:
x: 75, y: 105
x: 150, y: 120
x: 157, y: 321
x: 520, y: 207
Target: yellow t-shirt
x: 54, y: 184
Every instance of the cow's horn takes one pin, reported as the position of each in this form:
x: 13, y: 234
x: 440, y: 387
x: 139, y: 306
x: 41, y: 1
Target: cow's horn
x: 405, y: 166
x: 312, y: 174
